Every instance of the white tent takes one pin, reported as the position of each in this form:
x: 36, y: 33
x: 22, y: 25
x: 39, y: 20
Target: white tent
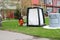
x: 35, y: 16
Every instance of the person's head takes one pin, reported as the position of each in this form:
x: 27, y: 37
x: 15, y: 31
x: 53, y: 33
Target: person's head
x: 20, y: 17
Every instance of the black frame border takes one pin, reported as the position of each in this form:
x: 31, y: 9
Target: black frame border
x: 38, y: 16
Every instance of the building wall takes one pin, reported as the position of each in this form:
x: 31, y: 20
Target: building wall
x: 52, y: 5
x: 30, y: 3
x: 8, y: 8
x: 24, y: 4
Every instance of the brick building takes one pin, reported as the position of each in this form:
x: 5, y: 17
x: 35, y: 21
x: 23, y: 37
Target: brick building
x: 9, y: 6
x: 52, y: 6
x: 49, y: 5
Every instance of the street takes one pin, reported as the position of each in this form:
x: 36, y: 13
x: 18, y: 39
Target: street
x: 6, y: 35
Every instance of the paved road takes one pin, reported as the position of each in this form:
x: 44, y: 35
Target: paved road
x: 6, y: 35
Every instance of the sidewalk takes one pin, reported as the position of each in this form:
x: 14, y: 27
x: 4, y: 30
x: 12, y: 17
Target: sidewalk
x: 6, y: 35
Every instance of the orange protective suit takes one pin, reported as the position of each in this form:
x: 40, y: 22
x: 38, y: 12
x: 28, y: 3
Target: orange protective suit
x: 21, y: 22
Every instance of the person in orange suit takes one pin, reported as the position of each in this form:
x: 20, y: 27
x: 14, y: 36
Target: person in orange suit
x: 21, y: 22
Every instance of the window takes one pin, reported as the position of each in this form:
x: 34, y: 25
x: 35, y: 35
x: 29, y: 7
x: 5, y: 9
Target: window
x: 58, y: 10
x: 49, y: 9
x: 48, y: 2
x: 42, y: 0
x: 58, y: 3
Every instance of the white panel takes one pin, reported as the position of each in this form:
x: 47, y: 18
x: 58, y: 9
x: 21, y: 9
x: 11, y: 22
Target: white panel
x: 33, y: 17
x: 41, y: 17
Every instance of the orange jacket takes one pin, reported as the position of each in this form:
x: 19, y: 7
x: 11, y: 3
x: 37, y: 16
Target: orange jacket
x: 21, y: 22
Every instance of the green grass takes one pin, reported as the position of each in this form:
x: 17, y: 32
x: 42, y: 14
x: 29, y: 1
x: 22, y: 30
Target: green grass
x: 36, y: 31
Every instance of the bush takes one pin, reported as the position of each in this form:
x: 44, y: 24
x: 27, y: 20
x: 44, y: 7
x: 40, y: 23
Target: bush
x: 17, y: 14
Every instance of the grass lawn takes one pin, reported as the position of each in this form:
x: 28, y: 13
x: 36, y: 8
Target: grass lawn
x: 36, y: 31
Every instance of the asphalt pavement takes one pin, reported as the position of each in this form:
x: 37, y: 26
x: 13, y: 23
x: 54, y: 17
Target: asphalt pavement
x: 6, y: 35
